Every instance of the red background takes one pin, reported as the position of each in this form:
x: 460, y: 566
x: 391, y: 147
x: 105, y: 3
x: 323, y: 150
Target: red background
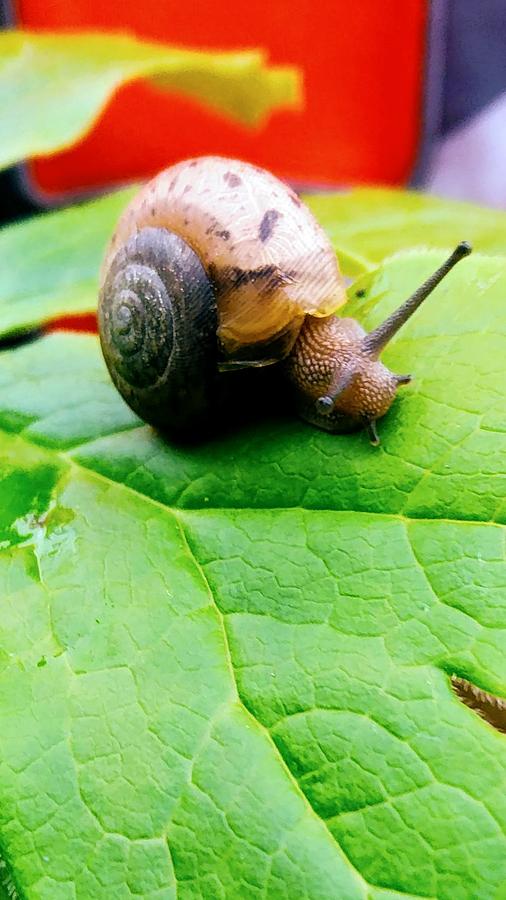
x: 363, y: 69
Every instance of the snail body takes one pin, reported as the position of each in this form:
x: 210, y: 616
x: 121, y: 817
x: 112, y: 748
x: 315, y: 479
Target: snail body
x: 217, y: 265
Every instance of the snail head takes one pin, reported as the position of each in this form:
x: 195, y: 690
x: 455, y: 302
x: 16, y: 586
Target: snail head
x: 341, y: 383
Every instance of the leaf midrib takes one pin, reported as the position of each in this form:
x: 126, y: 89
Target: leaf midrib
x: 175, y: 513
x: 230, y: 666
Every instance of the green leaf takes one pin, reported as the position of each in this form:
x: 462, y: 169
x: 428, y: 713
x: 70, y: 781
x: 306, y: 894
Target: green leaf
x: 368, y: 224
x: 53, y: 87
x: 53, y: 263
x: 226, y: 668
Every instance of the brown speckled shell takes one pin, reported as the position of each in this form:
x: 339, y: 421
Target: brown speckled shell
x: 270, y: 261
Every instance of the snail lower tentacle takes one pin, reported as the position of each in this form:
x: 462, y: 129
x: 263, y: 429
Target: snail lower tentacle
x: 157, y: 323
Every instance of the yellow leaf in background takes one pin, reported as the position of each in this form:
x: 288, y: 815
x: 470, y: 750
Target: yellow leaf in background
x: 53, y: 87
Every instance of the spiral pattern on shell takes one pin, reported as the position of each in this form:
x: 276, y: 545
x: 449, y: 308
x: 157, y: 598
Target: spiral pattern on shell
x: 157, y: 324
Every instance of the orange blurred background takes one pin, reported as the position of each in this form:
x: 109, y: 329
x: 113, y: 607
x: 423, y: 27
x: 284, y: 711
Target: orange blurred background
x: 363, y: 68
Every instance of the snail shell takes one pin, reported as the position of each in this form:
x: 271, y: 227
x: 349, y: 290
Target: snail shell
x: 157, y: 324
x: 244, y: 247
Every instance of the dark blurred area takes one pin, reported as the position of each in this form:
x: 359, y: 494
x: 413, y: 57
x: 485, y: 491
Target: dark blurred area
x: 459, y: 142
x: 465, y: 143
x: 14, y: 204
x: 475, y: 59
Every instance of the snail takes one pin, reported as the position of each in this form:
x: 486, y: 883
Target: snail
x: 215, y: 266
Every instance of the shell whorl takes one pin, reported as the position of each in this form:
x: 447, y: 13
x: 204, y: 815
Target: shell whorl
x: 157, y: 324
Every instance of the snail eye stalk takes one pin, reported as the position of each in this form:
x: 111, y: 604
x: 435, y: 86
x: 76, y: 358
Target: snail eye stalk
x: 376, y: 340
